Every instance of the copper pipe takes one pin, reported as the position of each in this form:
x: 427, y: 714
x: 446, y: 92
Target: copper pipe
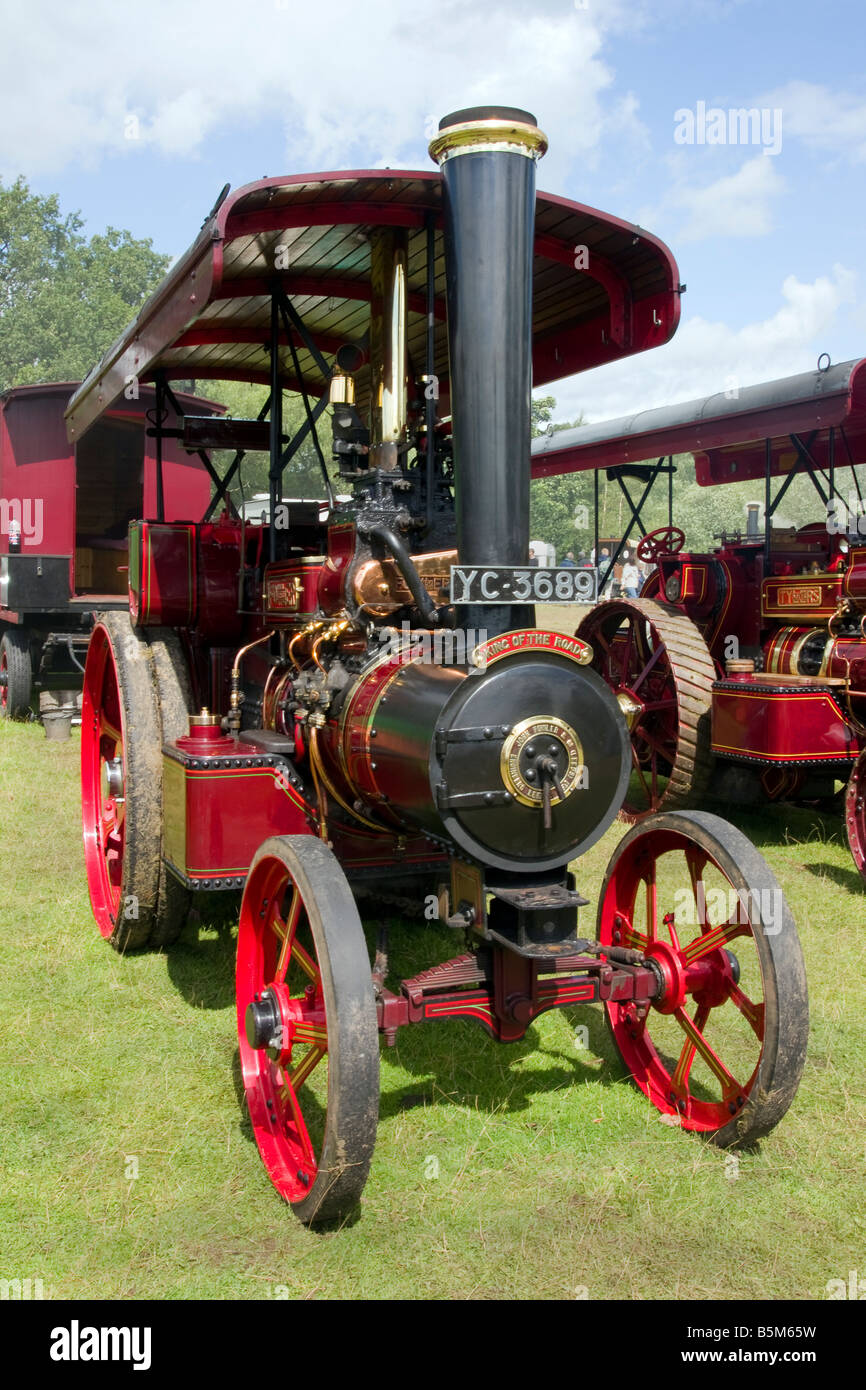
x: 248, y: 648
x: 331, y: 635
x: 316, y: 758
x: 304, y: 632
x: 233, y: 718
x: 320, y: 796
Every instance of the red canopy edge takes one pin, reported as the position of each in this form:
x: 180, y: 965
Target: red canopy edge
x: 209, y: 317
x: 727, y: 431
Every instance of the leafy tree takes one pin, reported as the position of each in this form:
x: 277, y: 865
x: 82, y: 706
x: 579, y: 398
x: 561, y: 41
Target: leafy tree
x: 560, y: 508
x: 303, y: 475
x: 63, y: 298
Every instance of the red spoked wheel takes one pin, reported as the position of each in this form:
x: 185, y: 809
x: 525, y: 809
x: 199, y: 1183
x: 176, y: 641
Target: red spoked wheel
x: 722, y: 1046
x: 660, y: 669
x: 121, y: 749
x: 133, y: 699
x: 307, y: 1027
x: 665, y: 540
x: 855, y: 813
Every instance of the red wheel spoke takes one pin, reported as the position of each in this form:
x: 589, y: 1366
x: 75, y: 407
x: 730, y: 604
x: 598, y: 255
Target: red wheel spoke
x: 626, y: 656
x: 680, y: 1078
x: 632, y: 938
x: 302, y: 1071
x: 287, y: 935
x: 730, y: 1085
x: 753, y: 1013
x: 639, y: 770
x: 306, y: 962
x: 315, y: 1034
x: 109, y: 730
x: 655, y: 743
x: 712, y: 938
x: 288, y: 1094
x: 652, y: 903
x: 646, y: 670
x: 697, y: 861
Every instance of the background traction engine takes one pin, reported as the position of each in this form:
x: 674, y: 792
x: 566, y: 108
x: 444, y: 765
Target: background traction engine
x: 474, y: 759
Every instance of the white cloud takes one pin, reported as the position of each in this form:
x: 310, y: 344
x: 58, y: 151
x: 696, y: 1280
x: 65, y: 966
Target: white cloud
x: 704, y: 357
x: 824, y: 118
x: 736, y: 205
x: 359, y: 89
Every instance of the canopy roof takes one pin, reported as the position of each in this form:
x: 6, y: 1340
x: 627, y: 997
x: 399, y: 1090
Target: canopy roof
x: 210, y: 316
x: 727, y: 432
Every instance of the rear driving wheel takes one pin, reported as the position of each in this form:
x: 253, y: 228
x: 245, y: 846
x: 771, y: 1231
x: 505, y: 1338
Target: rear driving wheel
x: 307, y: 1027
x: 136, y: 693
x: 660, y: 669
x: 174, y: 696
x: 121, y: 782
x: 722, y: 1046
x: 855, y: 813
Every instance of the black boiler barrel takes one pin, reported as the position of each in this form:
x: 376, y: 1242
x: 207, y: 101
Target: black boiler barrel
x: 455, y: 753
x: 487, y: 157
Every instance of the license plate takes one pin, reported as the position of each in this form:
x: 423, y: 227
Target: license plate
x: 511, y: 584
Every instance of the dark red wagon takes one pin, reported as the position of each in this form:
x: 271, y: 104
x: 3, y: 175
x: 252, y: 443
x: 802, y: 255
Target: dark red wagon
x: 65, y: 508
x: 350, y: 699
x: 743, y: 669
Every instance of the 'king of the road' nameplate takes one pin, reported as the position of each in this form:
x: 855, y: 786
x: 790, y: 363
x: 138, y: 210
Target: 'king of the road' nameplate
x: 510, y: 584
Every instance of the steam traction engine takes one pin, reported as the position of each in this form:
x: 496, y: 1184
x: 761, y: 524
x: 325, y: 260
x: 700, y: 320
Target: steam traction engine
x: 742, y: 670
x: 355, y: 691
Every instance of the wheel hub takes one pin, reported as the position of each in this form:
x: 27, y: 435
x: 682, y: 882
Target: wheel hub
x: 112, y: 779
x: 263, y: 1023
x: 630, y: 705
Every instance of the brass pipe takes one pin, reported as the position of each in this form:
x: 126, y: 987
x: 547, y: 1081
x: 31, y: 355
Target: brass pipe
x: 389, y: 323
x: 331, y: 635
x: 316, y: 757
x: 304, y: 632
x: 315, y: 764
x: 233, y: 719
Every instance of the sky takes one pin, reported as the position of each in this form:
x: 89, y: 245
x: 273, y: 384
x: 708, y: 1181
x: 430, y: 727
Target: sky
x: 136, y: 115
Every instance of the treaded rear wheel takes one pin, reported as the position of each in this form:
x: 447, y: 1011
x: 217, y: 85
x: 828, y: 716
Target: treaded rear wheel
x: 659, y: 667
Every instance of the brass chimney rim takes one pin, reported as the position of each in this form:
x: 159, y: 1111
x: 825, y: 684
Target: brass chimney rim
x: 488, y: 135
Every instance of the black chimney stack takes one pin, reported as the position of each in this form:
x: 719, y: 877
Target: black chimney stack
x: 487, y: 155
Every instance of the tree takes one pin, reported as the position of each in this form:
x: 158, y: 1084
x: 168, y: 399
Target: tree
x: 303, y: 475
x: 560, y: 508
x: 64, y: 298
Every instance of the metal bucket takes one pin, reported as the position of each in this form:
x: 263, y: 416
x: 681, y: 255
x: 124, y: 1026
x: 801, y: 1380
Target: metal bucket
x: 58, y: 722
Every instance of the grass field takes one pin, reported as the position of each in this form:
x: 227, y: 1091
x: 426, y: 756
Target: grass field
x: 531, y: 1171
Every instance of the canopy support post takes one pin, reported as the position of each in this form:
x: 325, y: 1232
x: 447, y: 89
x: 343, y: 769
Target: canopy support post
x: 275, y: 470
x: 159, y: 412
x: 430, y: 365
x: 768, y: 501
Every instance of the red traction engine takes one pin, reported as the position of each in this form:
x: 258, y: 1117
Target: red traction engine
x: 302, y: 712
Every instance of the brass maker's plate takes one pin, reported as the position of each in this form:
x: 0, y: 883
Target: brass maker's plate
x: 546, y: 730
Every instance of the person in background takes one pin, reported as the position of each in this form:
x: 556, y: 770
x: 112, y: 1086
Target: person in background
x: 603, y: 563
x: 533, y: 558
x: 567, y: 561
x: 630, y: 579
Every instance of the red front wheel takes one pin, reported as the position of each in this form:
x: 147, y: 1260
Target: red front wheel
x: 722, y: 1045
x: 307, y: 1030
x: 855, y: 813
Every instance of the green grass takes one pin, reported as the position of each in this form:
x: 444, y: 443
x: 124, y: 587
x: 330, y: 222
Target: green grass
x: 554, y: 1174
